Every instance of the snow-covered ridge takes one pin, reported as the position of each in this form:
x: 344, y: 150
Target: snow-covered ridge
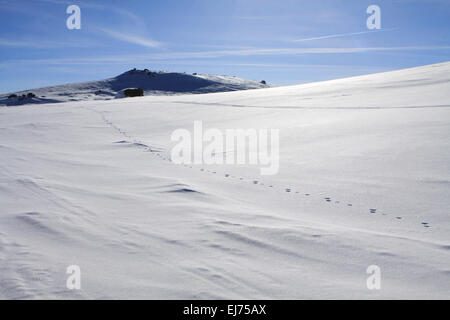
x: 153, y: 83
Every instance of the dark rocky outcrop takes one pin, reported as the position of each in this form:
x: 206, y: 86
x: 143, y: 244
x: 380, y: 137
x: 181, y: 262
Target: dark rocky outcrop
x: 133, y: 92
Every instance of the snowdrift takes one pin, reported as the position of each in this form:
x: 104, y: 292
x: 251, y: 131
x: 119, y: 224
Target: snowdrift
x: 364, y: 180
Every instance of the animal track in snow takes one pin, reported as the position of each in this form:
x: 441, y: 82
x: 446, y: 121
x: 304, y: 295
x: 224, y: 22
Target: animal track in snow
x: 158, y: 153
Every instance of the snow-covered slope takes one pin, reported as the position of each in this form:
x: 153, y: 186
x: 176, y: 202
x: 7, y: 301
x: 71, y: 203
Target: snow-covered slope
x: 364, y: 180
x: 153, y: 83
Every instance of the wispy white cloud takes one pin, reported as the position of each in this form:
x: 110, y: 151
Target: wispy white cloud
x: 169, y: 56
x: 286, y: 51
x: 339, y: 35
x: 131, y: 38
x: 39, y: 44
x: 130, y: 16
x: 15, y: 43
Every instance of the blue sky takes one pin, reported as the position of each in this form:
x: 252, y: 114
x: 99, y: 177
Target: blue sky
x: 282, y: 42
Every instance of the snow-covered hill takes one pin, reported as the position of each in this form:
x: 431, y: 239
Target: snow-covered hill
x: 153, y: 83
x: 364, y: 180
